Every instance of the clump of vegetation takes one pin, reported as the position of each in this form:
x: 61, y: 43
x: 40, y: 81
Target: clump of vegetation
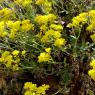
x: 47, y: 47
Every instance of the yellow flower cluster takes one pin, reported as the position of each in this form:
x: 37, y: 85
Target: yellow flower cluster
x: 55, y: 36
x: 91, y: 19
x: 49, y: 35
x: 93, y: 37
x: 49, y: 31
x: 3, y: 32
x: 60, y: 42
x: 11, y: 59
x: 32, y: 89
x: 13, y: 27
x: 45, y: 4
x: 5, y: 13
x: 78, y: 20
x: 45, y: 19
x: 24, y: 25
x: 81, y: 19
x: 43, y: 28
x: 91, y: 72
x: 92, y: 24
x: 24, y: 3
x: 45, y: 56
x: 56, y: 27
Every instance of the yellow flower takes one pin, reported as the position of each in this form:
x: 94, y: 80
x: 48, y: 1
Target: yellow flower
x: 92, y: 73
x: 15, y: 67
x: 48, y: 50
x: 84, y: 18
x: 59, y: 42
x: 41, y: 19
x: 2, y: 26
x: 7, y: 59
x: 10, y: 60
x: 30, y: 86
x: 29, y: 93
x: 32, y: 89
x: 39, y: 35
x: 24, y: 3
x: 43, y: 57
x: 56, y: 27
x: 9, y: 23
x: 17, y: 60
x: 44, y: 19
x: 42, y: 89
x: 91, y: 13
x: 3, y: 34
x: 92, y: 63
x: 23, y: 52
x: 8, y: 64
x: 40, y: 2
x: 45, y: 4
x: 43, y: 28
x: 57, y: 34
x: 26, y: 25
x: 50, y: 34
x: 93, y: 37
x: 51, y: 17
x: 18, y: 1
x: 90, y: 27
x: 5, y: 54
x: 12, y: 35
x: 26, y: 21
x: 15, y: 52
x: 5, y: 13
x: 16, y: 25
x: 47, y: 7
x: 78, y: 20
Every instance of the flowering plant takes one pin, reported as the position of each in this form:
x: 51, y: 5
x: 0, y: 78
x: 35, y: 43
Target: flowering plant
x: 47, y: 44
